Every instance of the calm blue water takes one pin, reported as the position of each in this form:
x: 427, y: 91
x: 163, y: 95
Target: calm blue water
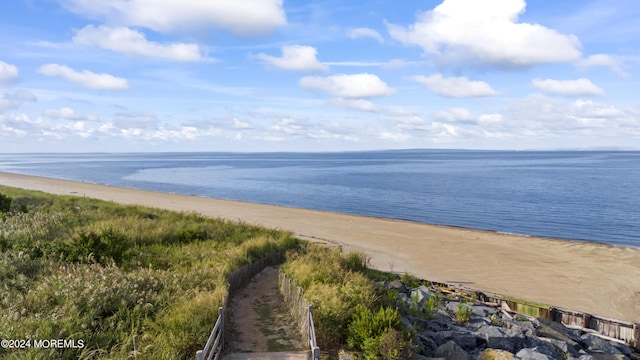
x: 590, y: 196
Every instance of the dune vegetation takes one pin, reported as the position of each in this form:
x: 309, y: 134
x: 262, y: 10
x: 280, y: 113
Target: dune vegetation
x: 115, y: 281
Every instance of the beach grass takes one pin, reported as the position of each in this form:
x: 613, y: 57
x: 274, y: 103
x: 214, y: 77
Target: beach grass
x: 122, y: 281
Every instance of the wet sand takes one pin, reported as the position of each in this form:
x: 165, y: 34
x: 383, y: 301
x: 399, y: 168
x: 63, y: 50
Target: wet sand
x: 599, y: 279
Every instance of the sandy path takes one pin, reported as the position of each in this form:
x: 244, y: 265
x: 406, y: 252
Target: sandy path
x: 260, y: 320
x: 599, y: 279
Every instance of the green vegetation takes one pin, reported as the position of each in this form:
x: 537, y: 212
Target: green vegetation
x: 348, y: 309
x: 130, y: 281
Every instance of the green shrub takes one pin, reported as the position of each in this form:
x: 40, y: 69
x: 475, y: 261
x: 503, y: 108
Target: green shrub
x: 5, y: 203
x: 367, y: 324
x: 394, y: 345
x: 463, y: 313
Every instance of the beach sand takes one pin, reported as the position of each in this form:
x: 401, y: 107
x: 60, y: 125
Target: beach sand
x: 599, y: 279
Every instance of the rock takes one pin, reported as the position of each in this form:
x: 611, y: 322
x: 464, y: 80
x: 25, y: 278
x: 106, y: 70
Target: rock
x: 524, y: 327
x: 497, y: 338
x: 553, y: 330
x: 451, y: 351
x: 452, y: 306
x: 465, y: 339
x: 597, y: 356
x: 482, y: 310
x: 477, y: 322
x: 562, y: 347
x: 421, y: 294
x: 495, y: 354
x: 546, y: 347
x: 533, y: 354
x: 592, y: 342
x: 429, y: 345
x: 398, y: 286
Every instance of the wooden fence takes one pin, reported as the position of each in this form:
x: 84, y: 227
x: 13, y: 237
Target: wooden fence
x: 301, y: 310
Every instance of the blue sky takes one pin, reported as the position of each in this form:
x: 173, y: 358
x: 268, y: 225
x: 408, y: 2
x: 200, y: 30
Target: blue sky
x: 273, y: 75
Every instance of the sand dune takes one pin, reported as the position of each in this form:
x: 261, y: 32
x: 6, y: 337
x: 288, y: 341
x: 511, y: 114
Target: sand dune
x: 599, y: 279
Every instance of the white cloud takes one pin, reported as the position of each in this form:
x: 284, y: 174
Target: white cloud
x: 365, y: 33
x: 457, y: 87
x: 579, y: 87
x: 68, y: 114
x: 589, y: 109
x: 477, y: 32
x: 15, y: 100
x: 85, y: 78
x: 238, y: 124
x: 362, y: 85
x: 455, y: 115
x: 355, y: 104
x: 8, y: 73
x: 131, y: 42
x: 297, y: 58
x: 604, y: 60
x: 242, y: 17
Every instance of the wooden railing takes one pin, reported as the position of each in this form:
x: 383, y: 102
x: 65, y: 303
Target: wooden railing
x: 236, y: 280
x: 213, y: 348
x: 313, y: 345
x: 301, y: 310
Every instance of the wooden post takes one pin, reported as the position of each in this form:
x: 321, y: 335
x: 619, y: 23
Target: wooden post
x: 586, y: 320
x: 636, y: 337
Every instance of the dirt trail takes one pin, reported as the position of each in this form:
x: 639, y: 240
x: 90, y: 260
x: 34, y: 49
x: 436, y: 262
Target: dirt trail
x: 260, y: 320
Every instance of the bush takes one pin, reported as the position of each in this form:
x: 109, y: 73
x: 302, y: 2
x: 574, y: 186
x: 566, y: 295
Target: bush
x: 463, y: 313
x: 367, y: 327
x: 5, y: 203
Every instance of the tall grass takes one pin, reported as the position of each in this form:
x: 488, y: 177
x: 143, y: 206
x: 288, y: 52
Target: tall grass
x: 130, y: 281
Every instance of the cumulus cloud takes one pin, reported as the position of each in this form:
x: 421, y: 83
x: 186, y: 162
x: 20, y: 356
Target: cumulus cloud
x: 603, y: 60
x: 131, y: 42
x: 8, y: 73
x: 14, y: 100
x: 471, y: 31
x: 358, y: 33
x: 250, y: 17
x: 297, y: 58
x: 362, y: 85
x: 455, y: 115
x: 85, y: 78
x: 68, y: 114
x: 354, y: 104
x: 456, y: 87
x: 579, y: 87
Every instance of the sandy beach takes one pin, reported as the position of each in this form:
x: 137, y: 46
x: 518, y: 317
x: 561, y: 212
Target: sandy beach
x: 599, y: 279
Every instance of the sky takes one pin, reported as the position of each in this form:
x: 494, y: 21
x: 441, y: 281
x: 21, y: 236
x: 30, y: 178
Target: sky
x: 330, y: 75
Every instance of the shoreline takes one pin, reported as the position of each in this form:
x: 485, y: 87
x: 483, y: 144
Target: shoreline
x: 597, y: 278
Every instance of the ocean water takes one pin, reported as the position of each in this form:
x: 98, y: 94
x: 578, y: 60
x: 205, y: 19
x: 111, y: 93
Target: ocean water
x: 582, y: 195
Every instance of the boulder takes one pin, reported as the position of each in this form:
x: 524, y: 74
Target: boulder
x: 451, y: 351
x: 547, y: 348
x: 465, y: 339
x: 533, y: 354
x: 421, y: 294
x: 495, y: 354
x: 398, y: 286
x: 482, y: 310
x: 498, y: 338
x: 553, y: 330
x: 594, y: 343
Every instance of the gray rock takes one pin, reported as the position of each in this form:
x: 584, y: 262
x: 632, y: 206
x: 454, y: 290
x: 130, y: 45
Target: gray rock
x: 524, y: 327
x: 451, y: 351
x: 429, y: 345
x: 465, y: 339
x: 398, y: 286
x: 477, y: 322
x: 421, y: 294
x: 533, y: 354
x: 452, y: 306
x: 598, y: 356
x: 562, y: 347
x: 482, y: 310
x: 545, y: 347
x: 553, y: 330
x: 594, y: 343
x: 498, y: 338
